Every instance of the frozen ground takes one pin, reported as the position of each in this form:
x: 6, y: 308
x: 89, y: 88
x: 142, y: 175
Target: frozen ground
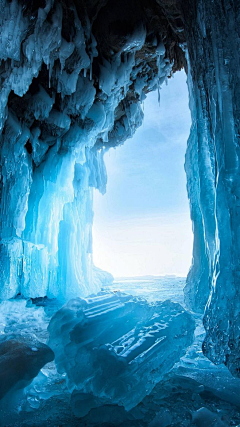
x: 194, y: 393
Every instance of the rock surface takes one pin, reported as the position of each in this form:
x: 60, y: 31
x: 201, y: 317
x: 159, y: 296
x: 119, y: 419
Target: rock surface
x: 21, y: 359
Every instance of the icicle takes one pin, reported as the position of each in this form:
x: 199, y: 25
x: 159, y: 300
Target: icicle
x: 158, y: 90
x: 49, y: 74
x: 91, y: 60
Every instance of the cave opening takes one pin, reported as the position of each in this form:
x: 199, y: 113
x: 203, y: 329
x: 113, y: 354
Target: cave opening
x: 142, y: 227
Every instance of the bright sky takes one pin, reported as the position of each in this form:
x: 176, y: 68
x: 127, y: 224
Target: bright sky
x: 142, y: 224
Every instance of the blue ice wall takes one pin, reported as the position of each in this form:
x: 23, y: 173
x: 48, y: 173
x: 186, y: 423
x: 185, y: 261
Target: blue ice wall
x: 58, y: 111
x: 72, y: 82
x: 212, y: 166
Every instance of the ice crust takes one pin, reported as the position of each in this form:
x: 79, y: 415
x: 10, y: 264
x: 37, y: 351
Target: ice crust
x: 56, y: 116
x: 115, y: 348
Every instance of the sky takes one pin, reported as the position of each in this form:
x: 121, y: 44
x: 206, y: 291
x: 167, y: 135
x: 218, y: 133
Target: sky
x: 142, y: 224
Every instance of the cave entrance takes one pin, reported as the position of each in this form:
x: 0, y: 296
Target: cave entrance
x: 142, y: 224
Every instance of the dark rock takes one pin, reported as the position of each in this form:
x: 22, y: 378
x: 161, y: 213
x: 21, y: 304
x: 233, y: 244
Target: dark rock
x: 21, y: 358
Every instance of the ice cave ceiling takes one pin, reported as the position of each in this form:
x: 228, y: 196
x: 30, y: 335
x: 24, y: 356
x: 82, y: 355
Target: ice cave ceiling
x: 73, y: 76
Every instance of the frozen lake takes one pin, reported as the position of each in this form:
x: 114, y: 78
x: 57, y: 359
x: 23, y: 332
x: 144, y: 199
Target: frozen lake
x: 152, y: 288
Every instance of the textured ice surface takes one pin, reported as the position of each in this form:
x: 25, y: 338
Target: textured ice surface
x: 205, y: 418
x: 101, y: 277
x: 192, y: 384
x: 62, y: 103
x: 212, y: 166
x: 115, y: 348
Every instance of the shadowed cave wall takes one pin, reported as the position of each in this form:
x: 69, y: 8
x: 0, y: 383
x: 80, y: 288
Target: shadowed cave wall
x: 73, y: 76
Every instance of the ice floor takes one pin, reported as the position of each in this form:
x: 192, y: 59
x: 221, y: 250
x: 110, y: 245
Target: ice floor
x: 194, y: 393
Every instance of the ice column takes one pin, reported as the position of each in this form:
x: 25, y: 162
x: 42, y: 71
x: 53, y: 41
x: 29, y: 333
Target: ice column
x: 213, y: 34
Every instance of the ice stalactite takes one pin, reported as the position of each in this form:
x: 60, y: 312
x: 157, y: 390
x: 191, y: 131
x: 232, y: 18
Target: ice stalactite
x: 212, y: 165
x: 69, y: 88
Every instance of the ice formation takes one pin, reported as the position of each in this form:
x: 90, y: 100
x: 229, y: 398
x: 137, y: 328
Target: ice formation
x: 194, y: 387
x: 102, y: 278
x: 205, y: 418
x: 116, y: 348
x: 73, y: 76
x: 212, y: 166
x: 63, y: 99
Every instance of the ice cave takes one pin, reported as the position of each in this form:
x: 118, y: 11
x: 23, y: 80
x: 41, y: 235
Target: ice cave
x: 74, y: 350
